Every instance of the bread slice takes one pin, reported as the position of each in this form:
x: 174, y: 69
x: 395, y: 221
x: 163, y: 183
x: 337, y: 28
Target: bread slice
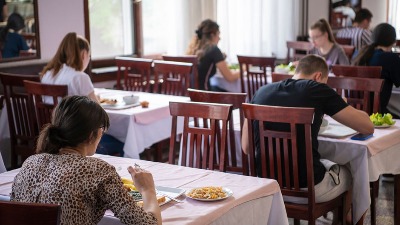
x: 160, y: 199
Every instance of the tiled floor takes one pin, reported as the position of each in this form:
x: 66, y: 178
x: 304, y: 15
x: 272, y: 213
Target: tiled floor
x: 384, y: 207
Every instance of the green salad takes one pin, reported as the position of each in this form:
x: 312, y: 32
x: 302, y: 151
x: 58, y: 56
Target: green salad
x: 290, y: 67
x: 234, y: 66
x: 379, y: 120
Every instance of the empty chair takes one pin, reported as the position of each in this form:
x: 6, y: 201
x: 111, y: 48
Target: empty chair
x: 361, y: 93
x: 348, y: 50
x: 204, y: 140
x: 136, y: 73
x: 299, y: 48
x: 280, y: 150
x: 21, y: 120
x: 255, y: 74
x: 357, y: 71
x: 12, y: 213
x: 280, y: 76
x: 236, y: 100
x: 38, y: 93
x: 194, y: 80
x: 343, y: 41
x: 172, y: 78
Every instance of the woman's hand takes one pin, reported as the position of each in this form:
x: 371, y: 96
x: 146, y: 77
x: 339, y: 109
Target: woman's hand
x: 142, y: 179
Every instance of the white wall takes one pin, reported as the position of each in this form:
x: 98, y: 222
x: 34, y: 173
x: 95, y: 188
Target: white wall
x: 378, y: 9
x: 56, y: 18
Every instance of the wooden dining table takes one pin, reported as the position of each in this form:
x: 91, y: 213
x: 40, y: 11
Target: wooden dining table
x: 139, y: 127
x: 254, y: 200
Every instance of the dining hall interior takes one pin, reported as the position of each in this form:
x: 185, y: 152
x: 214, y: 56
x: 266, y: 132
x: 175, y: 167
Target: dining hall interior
x: 199, y: 112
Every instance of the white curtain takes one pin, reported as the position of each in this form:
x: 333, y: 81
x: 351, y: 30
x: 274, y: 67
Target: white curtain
x: 394, y: 16
x: 257, y: 27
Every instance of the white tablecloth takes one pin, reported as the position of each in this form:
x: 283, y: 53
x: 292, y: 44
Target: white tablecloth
x: 140, y: 127
x: 394, y: 102
x: 254, y: 200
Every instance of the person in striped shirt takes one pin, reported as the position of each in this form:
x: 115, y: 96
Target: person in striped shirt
x: 360, y: 34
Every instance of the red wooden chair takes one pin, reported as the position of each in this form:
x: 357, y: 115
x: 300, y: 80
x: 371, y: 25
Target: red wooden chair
x: 21, y: 121
x: 280, y: 76
x: 343, y: 41
x: 43, y: 110
x: 357, y: 71
x: 253, y: 72
x: 136, y: 73
x: 172, y: 78
x: 299, y: 48
x: 236, y: 100
x: 279, y: 158
x: 12, y: 213
x: 348, y: 50
x: 338, y: 20
x: 194, y: 80
x: 203, y: 139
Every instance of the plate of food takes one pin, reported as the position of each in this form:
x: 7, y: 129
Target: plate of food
x: 114, y: 103
x: 382, y: 120
x: 209, y: 193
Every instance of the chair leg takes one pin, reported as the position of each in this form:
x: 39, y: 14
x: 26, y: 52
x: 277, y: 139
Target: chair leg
x: 296, y: 221
x: 374, y: 194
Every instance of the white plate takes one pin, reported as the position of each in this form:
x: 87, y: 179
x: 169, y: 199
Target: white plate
x: 119, y: 105
x: 382, y: 126
x: 228, y: 193
x: 171, y: 192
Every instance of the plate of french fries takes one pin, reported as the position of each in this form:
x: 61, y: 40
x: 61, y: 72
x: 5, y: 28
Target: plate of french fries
x: 209, y: 193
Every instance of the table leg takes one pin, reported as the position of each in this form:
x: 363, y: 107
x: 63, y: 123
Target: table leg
x: 397, y: 199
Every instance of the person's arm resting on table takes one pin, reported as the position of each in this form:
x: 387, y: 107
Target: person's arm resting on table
x: 356, y: 119
x: 226, y: 72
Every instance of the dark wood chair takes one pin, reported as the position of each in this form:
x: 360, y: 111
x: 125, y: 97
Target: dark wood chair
x: 43, y: 110
x: 343, y: 41
x: 172, y: 78
x: 348, y: 50
x: 357, y: 71
x: 13, y: 213
x: 279, y: 154
x: 236, y: 100
x: 365, y: 88
x: 253, y: 72
x: 338, y: 20
x: 397, y: 42
x: 21, y: 120
x: 299, y: 48
x: 136, y: 73
x: 202, y: 139
x: 280, y: 76
x: 194, y: 80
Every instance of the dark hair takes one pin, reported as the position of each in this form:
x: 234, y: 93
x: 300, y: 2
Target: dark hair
x: 323, y: 26
x: 75, y: 120
x: 311, y: 64
x: 15, y: 22
x: 69, y: 52
x: 383, y: 35
x: 363, y: 14
x: 202, y: 40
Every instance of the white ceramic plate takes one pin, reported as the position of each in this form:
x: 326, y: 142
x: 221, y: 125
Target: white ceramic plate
x: 170, y: 192
x: 228, y: 193
x: 119, y: 105
x: 382, y: 126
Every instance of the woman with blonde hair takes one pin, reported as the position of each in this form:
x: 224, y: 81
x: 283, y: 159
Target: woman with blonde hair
x: 325, y: 45
x: 68, y: 64
x: 210, y: 58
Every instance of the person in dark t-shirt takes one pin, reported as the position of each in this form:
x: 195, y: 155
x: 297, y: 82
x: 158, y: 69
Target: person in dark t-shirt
x: 210, y: 57
x: 308, y: 89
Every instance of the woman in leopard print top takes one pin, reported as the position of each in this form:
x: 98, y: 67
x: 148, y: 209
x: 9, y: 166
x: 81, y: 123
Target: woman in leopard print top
x: 84, y: 186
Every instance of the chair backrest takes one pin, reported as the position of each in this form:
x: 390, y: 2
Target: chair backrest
x: 37, y: 92
x: 236, y: 100
x: 280, y: 76
x: 348, y: 50
x: 279, y: 149
x: 338, y: 20
x: 21, y: 122
x: 194, y: 81
x: 255, y: 74
x: 203, y: 139
x: 357, y: 71
x: 12, y: 213
x: 300, y: 49
x: 343, y: 41
x: 172, y: 78
x: 136, y: 73
x: 361, y: 93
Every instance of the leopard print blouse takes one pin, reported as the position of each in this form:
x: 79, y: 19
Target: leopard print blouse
x: 84, y: 187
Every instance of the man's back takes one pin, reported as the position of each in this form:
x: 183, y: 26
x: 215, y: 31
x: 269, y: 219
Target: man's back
x: 359, y: 37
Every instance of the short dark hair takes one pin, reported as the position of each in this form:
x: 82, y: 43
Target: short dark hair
x: 74, y: 121
x: 311, y: 64
x: 363, y: 14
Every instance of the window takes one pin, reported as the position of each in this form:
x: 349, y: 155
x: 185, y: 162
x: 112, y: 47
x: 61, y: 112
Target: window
x: 394, y: 17
x: 111, y: 28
